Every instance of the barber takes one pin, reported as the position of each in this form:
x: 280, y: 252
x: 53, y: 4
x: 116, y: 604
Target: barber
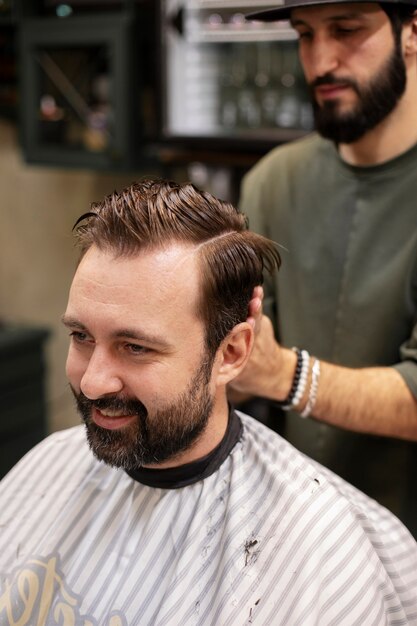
x: 343, y: 204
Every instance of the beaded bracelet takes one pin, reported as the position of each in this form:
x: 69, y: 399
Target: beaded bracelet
x: 312, y: 394
x: 299, y: 381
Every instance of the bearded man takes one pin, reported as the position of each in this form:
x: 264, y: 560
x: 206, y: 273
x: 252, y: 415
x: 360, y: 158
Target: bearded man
x: 342, y: 202
x: 180, y: 510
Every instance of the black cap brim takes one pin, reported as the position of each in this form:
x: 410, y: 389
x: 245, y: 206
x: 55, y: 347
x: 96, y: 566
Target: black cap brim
x: 283, y: 12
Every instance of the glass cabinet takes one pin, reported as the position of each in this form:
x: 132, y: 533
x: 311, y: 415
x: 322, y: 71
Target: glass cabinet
x: 82, y: 88
x: 225, y: 76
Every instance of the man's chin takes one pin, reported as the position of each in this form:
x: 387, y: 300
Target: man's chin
x: 117, y: 448
x: 341, y: 126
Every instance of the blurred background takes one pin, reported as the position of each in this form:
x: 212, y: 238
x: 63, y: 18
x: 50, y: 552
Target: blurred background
x: 94, y: 95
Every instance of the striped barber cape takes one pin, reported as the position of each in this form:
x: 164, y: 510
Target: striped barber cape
x: 269, y: 537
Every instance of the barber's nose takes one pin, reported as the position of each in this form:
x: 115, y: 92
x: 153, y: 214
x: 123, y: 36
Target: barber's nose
x: 323, y: 57
x: 101, y: 377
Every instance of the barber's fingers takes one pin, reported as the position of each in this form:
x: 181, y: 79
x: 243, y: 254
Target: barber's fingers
x: 255, y: 308
x: 258, y: 292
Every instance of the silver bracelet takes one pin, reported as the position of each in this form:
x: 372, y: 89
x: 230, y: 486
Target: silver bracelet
x: 312, y: 394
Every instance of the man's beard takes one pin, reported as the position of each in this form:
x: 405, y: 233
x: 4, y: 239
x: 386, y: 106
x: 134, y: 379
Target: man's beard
x: 376, y: 101
x: 169, y: 430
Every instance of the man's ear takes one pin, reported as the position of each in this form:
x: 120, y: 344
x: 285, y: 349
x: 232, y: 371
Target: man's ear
x: 234, y: 352
x: 410, y: 44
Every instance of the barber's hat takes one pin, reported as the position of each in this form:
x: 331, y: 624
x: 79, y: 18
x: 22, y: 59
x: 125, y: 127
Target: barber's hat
x: 283, y: 11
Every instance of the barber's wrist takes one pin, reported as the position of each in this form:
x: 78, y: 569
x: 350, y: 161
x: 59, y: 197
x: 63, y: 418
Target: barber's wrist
x: 284, y: 377
x: 303, y: 392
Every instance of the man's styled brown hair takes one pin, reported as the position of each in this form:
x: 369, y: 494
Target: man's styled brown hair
x: 153, y: 213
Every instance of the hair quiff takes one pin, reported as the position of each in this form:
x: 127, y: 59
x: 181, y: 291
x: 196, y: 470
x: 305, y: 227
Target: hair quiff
x: 154, y: 213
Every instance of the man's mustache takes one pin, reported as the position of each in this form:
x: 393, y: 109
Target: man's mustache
x: 128, y: 407
x: 329, y: 79
x: 123, y: 405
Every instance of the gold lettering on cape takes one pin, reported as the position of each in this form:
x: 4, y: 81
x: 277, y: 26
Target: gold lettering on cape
x: 37, y: 593
x: 67, y: 614
x: 28, y: 586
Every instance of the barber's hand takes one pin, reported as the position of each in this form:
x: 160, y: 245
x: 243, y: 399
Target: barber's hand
x: 255, y: 309
x: 269, y: 370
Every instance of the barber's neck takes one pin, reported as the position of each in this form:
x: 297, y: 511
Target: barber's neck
x: 392, y: 137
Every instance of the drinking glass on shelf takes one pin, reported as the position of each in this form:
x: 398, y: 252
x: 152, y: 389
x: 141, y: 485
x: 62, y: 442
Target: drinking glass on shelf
x: 288, y: 114
x: 249, y: 110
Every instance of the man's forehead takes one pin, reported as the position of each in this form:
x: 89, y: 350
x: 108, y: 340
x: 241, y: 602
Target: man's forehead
x: 152, y: 280
x: 172, y: 258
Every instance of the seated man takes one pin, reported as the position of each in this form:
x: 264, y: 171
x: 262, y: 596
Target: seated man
x: 180, y: 510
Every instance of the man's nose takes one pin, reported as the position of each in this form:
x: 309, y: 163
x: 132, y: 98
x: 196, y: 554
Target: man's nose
x: 101, y: 377
x: 323, y: 57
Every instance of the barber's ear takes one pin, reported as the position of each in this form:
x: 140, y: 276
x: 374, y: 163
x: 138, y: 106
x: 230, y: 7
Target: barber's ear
x: 234, y: 352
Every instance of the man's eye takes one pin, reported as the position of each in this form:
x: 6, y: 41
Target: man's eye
x: 78, y: 336
x: 305, y: 35
x: 346, y: 31
x: 134, y: 348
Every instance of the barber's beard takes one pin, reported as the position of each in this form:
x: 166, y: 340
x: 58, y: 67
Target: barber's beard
x: 155, y: 436
x: 376, y: 100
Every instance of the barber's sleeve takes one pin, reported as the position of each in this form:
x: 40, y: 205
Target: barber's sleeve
x: 408, y: 365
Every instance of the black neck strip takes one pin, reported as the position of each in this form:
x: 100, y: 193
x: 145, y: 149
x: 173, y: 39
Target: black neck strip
x: 190, y: 473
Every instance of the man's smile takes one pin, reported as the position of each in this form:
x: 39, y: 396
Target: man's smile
x: 111, y: 419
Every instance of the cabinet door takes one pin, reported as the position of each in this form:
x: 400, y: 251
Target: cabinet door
x: 79, y: 82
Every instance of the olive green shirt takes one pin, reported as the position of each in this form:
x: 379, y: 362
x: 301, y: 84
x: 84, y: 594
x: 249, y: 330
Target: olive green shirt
x: 347, y: 289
